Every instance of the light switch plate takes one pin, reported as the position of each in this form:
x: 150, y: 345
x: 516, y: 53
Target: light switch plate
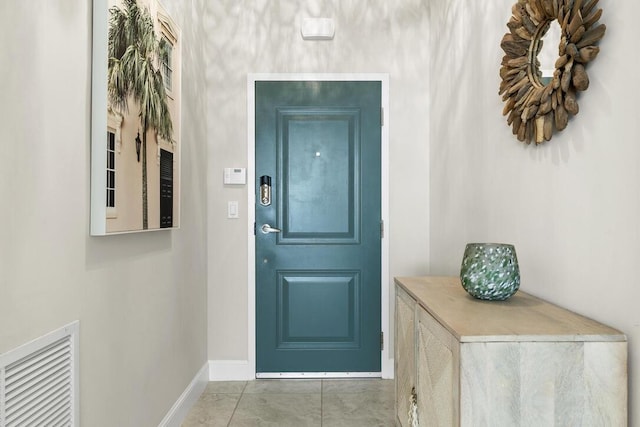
x: 232, y: 209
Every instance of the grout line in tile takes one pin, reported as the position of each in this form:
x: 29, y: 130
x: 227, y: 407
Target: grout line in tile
x: 237, y: 403
x: 321, y: 401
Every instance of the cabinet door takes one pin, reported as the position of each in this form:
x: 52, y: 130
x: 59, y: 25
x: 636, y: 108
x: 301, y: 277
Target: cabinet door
x: 543, y: 383
x: 405, y: 360
x: 438, y: 369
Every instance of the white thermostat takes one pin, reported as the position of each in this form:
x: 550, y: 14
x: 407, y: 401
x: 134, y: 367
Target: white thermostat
x: 237, y: 176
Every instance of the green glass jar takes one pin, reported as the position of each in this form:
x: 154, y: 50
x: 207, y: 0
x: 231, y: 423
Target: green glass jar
x: 490, y: 271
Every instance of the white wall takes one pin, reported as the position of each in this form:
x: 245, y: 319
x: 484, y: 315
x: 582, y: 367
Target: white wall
x: 264, y: 36
x: 140, y: 299
x: 570, y: 206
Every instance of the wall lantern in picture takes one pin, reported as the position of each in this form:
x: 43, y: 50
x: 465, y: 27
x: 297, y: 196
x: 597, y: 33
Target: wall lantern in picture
x: 535, y: 106
x: 138, y: 143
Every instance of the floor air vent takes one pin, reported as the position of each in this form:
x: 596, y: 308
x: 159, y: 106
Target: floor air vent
x: 38, y: 381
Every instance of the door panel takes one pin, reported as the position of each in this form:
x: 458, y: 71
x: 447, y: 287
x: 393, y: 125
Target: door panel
x: 332, y: 322
x: 317, y: 174
x: 318, y: 279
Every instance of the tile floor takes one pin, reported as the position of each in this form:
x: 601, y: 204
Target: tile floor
x: 299, y: 403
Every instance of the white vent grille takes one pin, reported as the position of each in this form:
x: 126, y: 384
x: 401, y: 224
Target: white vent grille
x: 38, y: 381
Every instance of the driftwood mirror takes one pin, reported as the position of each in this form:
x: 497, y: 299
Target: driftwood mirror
x: 535, y: 105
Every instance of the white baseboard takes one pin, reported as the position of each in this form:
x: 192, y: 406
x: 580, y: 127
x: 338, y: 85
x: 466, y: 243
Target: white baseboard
x: 230, y: 370
x: 388, y: 369
x: 187, y: 399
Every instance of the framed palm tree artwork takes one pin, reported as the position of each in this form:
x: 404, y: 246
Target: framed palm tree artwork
x: 135, y: 132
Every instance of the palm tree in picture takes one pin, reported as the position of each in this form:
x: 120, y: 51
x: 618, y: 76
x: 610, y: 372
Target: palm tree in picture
x: 135, y: 53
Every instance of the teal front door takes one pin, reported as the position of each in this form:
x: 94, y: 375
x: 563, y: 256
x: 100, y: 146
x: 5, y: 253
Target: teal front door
x: 318, y: 227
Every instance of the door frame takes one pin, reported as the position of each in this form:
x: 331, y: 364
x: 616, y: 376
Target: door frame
x: 386, y: 354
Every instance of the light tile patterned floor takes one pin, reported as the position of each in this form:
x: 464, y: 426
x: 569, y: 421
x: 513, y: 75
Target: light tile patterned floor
x: 299, y: 403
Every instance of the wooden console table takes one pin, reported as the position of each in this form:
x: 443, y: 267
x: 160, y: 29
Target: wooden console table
x: 519, y: 362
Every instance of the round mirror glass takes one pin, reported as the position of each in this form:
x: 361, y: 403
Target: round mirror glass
x: 548, y: 53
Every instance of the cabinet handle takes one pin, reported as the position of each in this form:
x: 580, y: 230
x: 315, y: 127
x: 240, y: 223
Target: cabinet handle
x: 413, y: 409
